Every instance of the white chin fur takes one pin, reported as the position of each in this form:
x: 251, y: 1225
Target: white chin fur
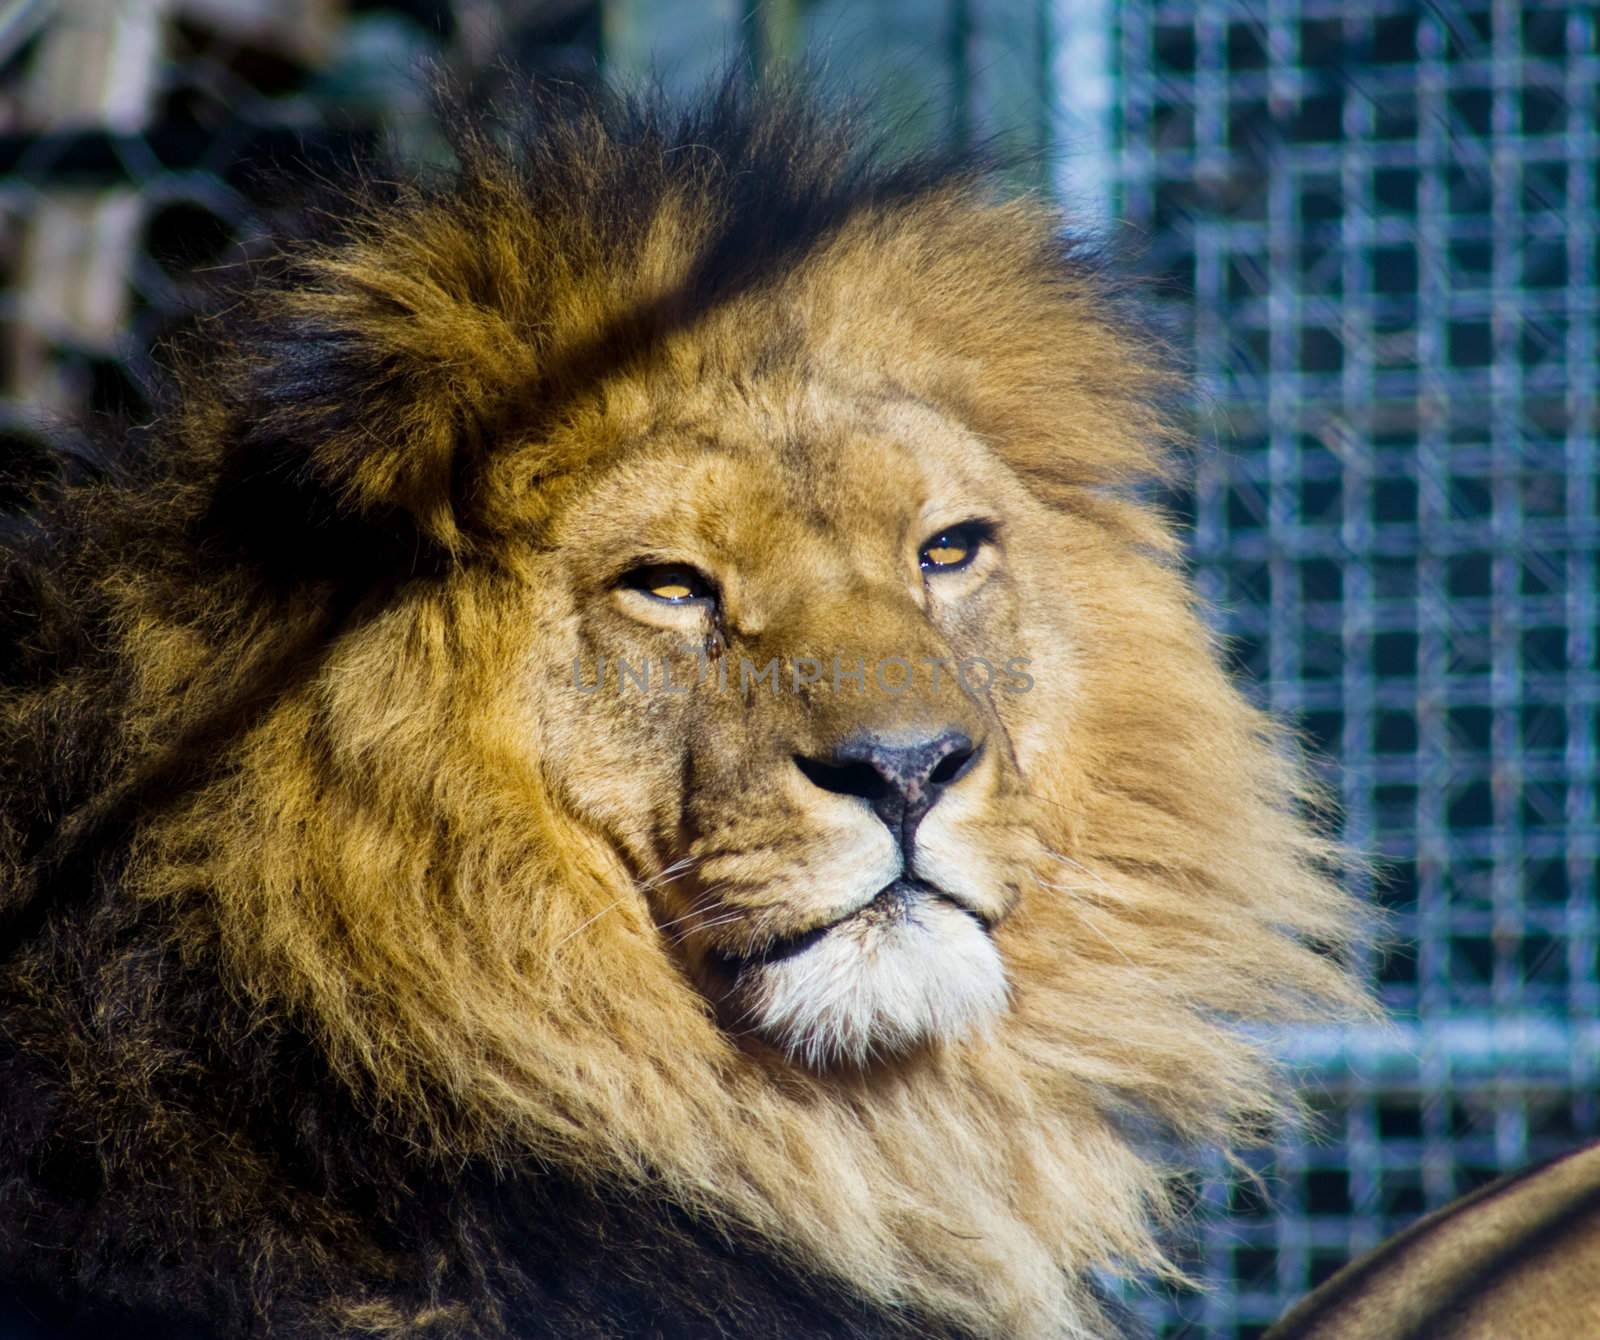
x: 874, y: 986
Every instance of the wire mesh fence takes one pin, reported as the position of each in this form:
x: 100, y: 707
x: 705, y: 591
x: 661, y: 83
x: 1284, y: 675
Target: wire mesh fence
x: 1377, y: 227
x: 1373, y: 227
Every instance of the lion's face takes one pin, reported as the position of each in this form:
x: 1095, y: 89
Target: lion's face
x: 812, y: 651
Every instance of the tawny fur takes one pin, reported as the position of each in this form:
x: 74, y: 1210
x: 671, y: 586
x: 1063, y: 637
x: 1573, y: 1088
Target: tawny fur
x: 314, y: 761
x: 1513, y: 1258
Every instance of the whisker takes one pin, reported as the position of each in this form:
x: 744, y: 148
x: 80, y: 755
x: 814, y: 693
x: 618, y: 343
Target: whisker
x: 1085, y: 920
x: 578, y: 930
x: 672, y: 873
x: 697, y: 908
x: 665, y: 876
x: 1094, y: 876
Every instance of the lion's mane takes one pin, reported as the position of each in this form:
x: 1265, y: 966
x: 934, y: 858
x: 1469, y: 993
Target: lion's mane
x: 318, y: 1010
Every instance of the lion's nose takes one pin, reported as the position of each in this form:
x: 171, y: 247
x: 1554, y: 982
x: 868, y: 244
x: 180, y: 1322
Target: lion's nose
x: 901, y: 779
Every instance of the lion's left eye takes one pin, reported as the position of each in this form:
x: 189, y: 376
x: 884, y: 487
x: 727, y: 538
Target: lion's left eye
x: 953, y: 549
x: 672, y: 583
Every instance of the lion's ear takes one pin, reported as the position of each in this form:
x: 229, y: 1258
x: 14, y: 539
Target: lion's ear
x: 370, y: 382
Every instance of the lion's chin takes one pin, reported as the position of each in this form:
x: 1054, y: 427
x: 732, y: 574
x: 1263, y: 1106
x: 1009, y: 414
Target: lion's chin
x: 876, y: 985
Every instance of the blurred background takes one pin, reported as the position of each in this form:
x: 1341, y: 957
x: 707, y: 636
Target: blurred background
x: 1374, y: 230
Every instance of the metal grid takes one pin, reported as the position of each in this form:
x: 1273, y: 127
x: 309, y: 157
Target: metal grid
x: 146, y: 144
x: 1377, y: 228
x: 131, y: 144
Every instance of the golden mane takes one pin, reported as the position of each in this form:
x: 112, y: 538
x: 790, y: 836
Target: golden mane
x: 367, y: 851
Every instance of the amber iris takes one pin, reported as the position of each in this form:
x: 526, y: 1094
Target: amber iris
x: 670, y: 582
x: 951, y: 549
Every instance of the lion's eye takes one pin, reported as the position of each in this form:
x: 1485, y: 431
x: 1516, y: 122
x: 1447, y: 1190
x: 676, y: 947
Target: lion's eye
x: 671, y: 583
x: 955, y: 548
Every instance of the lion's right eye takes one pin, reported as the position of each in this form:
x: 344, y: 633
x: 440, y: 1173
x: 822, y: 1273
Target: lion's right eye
x: 671, y: 583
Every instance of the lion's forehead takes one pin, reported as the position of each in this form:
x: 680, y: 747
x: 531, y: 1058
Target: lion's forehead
x: 804, y: 473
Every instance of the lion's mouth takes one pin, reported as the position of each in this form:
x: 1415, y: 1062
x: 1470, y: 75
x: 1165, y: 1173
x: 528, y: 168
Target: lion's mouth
x: 895, y: 901
x: 898, y: 971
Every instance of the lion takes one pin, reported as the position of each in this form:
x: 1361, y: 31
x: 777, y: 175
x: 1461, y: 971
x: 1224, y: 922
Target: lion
x: 627, y: 754
x: 1514, y: 1258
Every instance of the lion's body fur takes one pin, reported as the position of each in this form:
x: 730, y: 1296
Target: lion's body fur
x: 1519, y: 1258
x: 321, y: 1006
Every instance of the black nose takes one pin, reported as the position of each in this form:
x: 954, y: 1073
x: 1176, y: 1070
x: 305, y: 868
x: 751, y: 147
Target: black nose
x: 902, y: 780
